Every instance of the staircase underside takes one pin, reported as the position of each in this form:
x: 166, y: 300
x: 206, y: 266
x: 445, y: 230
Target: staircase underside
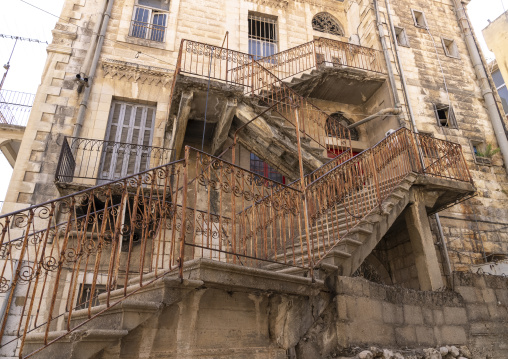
x: 330, y: 83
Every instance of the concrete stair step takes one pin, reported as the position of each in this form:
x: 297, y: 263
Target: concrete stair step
x: 81, y: 344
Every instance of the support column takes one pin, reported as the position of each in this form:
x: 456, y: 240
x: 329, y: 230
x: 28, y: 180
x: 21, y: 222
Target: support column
x: 180, y: 124
x: 222, y: 129
x: 427, y: 265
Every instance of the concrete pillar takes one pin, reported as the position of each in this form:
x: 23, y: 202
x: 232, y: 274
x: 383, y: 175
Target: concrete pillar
x: 427, y: 265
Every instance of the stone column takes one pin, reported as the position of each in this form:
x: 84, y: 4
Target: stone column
x: 427, y: 265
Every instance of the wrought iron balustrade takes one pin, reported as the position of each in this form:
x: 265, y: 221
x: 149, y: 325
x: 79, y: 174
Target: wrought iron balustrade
x: 90, y: 161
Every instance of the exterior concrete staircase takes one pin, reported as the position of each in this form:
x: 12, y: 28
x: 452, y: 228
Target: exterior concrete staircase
x: 354, y: 244
x: 113, y: 323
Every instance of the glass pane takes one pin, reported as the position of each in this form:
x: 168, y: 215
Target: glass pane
x: 139, y: 25
x: 503, y: 93
x: 498, y: 78
x: 158, y: 27
x: 255, y: 49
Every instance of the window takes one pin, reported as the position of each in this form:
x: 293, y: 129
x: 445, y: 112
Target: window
x: 419, y: 19
x: 263, y: 169
x: 128, y: 139
x: 149, y: 20
x: 480, y: 154
x: 324, y: 22
x: 263, y: 37
x: 445, y: 116
x: 400, y: 35
x: 84, y: 295
x: 450, y: 48
x: 501, y: 88
x: 333, y: 126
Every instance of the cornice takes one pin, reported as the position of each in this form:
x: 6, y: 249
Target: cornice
x: 132, y: 72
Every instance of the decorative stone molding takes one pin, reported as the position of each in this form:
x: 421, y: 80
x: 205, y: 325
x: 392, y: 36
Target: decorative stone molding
x: 133, y: 72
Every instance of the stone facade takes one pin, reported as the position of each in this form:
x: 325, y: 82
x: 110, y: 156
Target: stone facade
x: 439, y: 74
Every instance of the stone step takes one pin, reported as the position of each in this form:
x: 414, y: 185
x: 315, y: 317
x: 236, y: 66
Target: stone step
x: 80, y: 344
x: 125, y: 316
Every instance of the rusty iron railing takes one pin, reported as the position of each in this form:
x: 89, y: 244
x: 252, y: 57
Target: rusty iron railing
x: 319, y: 53
x: 236, y: 68
x: 90, y: 161
x: 139, y: 228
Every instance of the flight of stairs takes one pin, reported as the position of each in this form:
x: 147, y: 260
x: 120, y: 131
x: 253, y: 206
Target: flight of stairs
x: 356, y: 242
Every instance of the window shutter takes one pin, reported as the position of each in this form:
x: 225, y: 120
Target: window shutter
x: 451, y: 118
x: 436, y: 114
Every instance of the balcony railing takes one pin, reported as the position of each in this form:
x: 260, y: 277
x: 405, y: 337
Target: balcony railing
x: 148, y: 31
x: 15, y: 107
x: 90, y: 161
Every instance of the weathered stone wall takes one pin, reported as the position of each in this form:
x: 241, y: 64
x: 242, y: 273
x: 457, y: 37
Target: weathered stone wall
x: 434, y: 77
x: 474, y: 314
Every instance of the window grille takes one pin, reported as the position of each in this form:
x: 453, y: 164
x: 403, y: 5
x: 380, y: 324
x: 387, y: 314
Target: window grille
x: 333, y: 126
x: 263, y: 169
x: 263, y: 39
x: 149, y: 22
x: 85, y: 293
x: 128, y: 124
x: 324, y: 22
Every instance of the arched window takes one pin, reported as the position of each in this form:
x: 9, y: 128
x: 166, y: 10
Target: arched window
x: 333, y: 123
x: 324, y: 22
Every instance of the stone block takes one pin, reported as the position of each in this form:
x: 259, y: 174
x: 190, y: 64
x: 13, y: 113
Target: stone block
x: 455, y: 316
x: 477, y: 312
x: 438, y: 317
x: 413, y: 315
x: 497, y: 312
x: 428, y: 317
x: 469, y: 294
x: 425, y: 336
x: 455, y: 335
x: 405, y: 336
x: 489, y: 295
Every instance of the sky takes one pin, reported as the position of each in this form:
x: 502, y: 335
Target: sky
x: 28, y: 58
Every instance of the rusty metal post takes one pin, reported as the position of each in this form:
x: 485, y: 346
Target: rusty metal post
x: 303, y: 188
x: 184, y: 209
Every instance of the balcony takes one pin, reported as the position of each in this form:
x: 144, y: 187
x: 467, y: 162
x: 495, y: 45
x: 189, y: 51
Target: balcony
x: 15, y: 110
x: 89, y: 162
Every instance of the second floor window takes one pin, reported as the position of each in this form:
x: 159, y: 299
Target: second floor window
x: 149, y: 20
x: 262, y: 36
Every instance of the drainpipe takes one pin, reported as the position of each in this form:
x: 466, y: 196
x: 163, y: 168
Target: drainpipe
x: 86, y: 96
x: 85, y: 68
x: 391, y: 77
x: 486, y: 90
x: 402, y: 76
x: 386, y: 111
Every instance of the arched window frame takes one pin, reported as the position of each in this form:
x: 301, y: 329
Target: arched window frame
x: 344, y: 121
x: 327, y: 23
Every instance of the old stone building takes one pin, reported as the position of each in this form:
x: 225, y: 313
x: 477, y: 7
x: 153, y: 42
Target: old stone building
x: 214, y: 178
